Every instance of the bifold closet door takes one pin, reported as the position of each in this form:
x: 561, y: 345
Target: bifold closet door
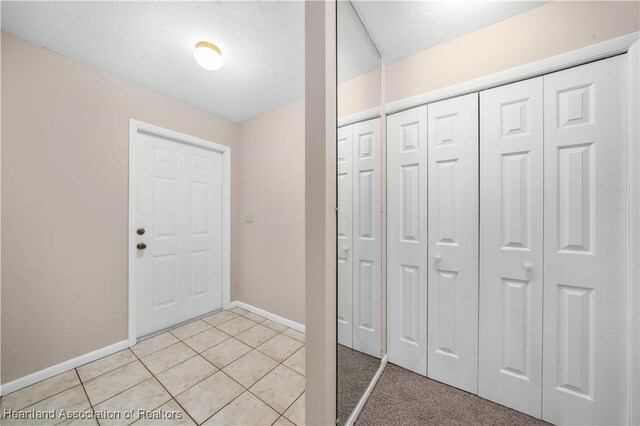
x: 407, y: 243
x: 511, y: 270
x: 366, y: 238
x: 345, y: 236
x: 453, y: 242
x: 585, y: 245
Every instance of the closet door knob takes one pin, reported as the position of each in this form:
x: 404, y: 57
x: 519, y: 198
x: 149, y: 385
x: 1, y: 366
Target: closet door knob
x: 437, y: 258
x: 527, y: 266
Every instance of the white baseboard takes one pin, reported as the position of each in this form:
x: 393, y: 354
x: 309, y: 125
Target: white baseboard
x: 62, y: 367
x: 108, y: 350
x: 356, y: 411
x: 268, y: 315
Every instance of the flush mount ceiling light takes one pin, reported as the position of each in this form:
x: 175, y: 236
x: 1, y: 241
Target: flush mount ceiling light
x: 208, y: 56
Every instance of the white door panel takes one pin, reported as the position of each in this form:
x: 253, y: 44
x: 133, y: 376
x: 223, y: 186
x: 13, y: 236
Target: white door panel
x: 345, y: 237
x: 453, y: 242
x: 366, y: 236
x: 511, y: 270
x: 585, y: 289
x: 180, y: 208
x: 407, y: 243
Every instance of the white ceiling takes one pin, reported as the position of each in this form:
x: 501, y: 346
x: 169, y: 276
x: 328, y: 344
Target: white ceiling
x: 402, y: 28
x: 151, y: 44
x: 356, y: 52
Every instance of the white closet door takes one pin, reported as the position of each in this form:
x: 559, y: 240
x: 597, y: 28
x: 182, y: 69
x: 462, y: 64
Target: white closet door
x: 585, y: 237
x: 511, y: 209
x: 345, y: 237
x: 407, y: 243
x: 366, y: 241
x: 453, y: 242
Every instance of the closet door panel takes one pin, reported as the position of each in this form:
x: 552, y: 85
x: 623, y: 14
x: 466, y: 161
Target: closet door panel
x: 453, y: 242
x: 345, y: 236
x: 366, y: 236
x: 511, y: 269
x: 585, y: 237
x: 407, y: 243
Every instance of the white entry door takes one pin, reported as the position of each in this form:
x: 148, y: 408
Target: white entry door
x: 366, y: 237
x: 345, y: 236
x: 179, y: 204
x: 407, y: 243
x: 511, y: 270
x: 585, y: 245
x: 453, y: 242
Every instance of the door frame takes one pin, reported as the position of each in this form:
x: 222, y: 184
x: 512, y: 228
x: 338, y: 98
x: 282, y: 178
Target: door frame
x: 633, y: 188
x: 136, y: 127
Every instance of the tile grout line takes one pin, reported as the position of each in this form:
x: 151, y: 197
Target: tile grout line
x: 81, y: 383
x: 154, y: 376
x: 203, y: 319
x: 262, y: 377
x: 176, y: 326
x: 227, y: 375
x: 43, y: 399
x: 106, y: 372
x: 253, y: 394
x: 179, y: 339
x: 130, y: 387
x: 169, y: 368
x: 291, y: 405
x: 236, y: 397
x: 122, y: 391
x: 93, y: 411
x: 167, y: 391
x: 106, y: 356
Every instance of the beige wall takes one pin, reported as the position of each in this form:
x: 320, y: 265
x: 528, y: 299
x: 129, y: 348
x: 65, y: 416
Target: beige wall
x: 270, y: 272
x: 359, y: 93
x: 545, y: 31
x: 65, y: 203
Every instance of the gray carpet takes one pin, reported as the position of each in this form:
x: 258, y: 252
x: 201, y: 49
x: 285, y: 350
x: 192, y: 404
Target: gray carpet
x: 402, y: 397
x: 355, y: 371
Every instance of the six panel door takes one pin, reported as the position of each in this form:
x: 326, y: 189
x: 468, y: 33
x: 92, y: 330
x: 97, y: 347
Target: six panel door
x: 585, y: 245
x: 511, y: 157
x: 453, y: 242
x: 407, y: 242
x: 345, y: 237
x: 180, y: 207
x: 366, y: 237
x: 552, y: 248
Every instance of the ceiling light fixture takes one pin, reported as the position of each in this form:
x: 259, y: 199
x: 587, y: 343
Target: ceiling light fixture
x: 208, y: 56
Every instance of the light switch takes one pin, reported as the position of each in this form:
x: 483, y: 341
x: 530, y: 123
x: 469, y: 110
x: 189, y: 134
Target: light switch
x: 248, y: 218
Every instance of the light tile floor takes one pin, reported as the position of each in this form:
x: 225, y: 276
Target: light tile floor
x: 229, y: 368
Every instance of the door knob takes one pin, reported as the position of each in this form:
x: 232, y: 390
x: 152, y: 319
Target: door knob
x: 140, y: 231
x: 346, y: 249
x: 437, y: 258
x: 141, y: 246
x: 527, y: 266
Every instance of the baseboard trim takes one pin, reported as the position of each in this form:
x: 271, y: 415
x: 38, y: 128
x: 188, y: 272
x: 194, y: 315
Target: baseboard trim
x: 32, y: 378
x: 268, y: 315
x: 54, y: 370
x: 356, y: 411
